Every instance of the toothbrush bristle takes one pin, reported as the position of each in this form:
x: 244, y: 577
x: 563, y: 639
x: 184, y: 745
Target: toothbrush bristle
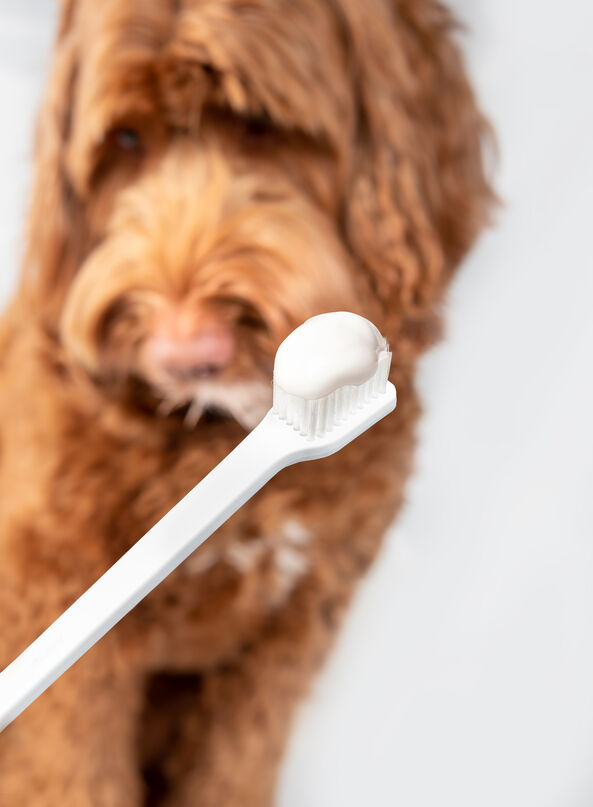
x: 314, y: 418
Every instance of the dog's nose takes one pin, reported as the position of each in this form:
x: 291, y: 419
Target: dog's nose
x: 202, y: 352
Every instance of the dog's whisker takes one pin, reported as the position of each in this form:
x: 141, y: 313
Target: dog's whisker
x: 166, y: 406
x: 193, y: 415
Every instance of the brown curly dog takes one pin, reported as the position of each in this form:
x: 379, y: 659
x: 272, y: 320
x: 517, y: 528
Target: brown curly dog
x: 210, y: 173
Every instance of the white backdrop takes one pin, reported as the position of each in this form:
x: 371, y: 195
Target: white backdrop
x: 464, y: 677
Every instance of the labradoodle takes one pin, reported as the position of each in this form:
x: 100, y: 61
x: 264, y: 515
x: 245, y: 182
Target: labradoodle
x: 210, y: 173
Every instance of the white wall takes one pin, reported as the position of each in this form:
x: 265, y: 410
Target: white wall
x: 465, y: 674
x: 25, y: 36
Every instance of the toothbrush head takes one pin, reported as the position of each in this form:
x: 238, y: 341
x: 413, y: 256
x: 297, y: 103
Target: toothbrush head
x: 328, y: 368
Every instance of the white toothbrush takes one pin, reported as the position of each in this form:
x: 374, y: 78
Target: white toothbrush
x: 330, y: 385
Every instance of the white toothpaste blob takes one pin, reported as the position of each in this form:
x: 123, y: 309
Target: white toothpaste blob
x: 330, y: 366
x: 327, y: 352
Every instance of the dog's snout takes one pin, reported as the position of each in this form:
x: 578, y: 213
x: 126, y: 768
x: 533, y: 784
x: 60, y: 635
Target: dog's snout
x: 197, y: 356
x: 189, y: 349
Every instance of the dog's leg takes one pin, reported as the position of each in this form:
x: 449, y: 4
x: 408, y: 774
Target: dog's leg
x: 76, y: 745
x: 234, y: 739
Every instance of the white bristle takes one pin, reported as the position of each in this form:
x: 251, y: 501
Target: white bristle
x: 314, y: 418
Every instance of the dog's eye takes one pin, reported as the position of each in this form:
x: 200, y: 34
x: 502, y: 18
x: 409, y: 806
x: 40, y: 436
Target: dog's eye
x: 123, y: 148
x: 127, y: 139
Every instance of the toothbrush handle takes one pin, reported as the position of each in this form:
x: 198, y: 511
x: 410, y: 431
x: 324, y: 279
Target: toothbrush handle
x: 271, y: 446
x: 231, y: 483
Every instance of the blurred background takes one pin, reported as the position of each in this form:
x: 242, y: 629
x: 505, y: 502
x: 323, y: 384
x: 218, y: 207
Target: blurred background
x: 464, y: 675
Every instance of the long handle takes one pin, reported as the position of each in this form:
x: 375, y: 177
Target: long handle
x: 229, y: 485
x: 271, y: 446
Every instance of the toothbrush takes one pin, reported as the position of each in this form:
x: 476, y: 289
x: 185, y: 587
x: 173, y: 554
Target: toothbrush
x: 330, y: 385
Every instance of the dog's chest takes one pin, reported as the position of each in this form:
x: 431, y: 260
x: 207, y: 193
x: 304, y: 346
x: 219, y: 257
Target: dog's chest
x: 281, y: 555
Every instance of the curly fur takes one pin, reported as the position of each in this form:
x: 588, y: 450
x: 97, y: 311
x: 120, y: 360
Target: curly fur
x: 292, y: 157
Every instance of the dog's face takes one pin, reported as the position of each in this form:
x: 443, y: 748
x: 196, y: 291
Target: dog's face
x: 209, y: 180
x: 222, y: 170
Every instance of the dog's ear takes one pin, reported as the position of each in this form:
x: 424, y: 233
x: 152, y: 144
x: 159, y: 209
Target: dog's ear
x: 418, y: 194
x: 55, y: 225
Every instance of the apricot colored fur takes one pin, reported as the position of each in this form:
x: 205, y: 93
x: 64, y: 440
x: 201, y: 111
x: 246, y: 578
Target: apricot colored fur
x: 296, y: 156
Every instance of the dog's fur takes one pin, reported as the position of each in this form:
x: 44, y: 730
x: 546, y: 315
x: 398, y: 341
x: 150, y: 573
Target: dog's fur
x: 296, y: 156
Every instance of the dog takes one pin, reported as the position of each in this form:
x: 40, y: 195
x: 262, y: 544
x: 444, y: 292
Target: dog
x: 208, y: 175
